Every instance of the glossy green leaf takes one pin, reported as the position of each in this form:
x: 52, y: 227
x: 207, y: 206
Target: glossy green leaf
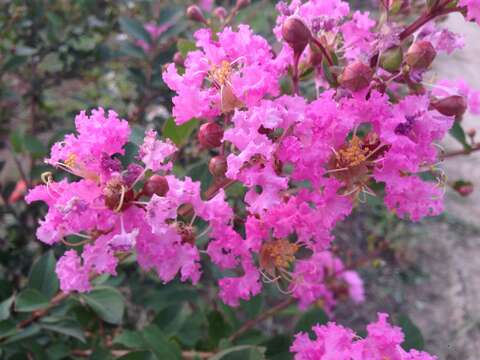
x: 413, y: 335
x: 42, y: 275
x: 160, y: 345
x: 130, y: 339
x: 5, y: 306
x: 23, y: 334
x: 309, y: 319
x: 66, y: 327
x: 459, y: 134
x: 135, y: 29
x: 107, y: 302
x: 243, y: 352
x: 179, y: 134
x: 30, y: 300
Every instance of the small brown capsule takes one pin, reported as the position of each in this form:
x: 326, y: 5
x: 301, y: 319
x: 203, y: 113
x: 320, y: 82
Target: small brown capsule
x: 157, y: 185
x: 420, y: 55
x: 218, y: 166
x: 356, y: 76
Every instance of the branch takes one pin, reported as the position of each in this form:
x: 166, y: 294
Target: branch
x: 253, y: 322
x: 460, y: 152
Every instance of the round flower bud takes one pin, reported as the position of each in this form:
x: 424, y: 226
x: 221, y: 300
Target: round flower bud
x: 194, y: 13
x: 156, y: 185
x: 296, y: 34
x: 464, y: 188
x: 471, y: 133
x: 391, y: 60
x: 420, y: 55
x: 210, y: 135
x: 356, y: 76
x: 218, y: 166
x: 178, y: 59
x: 220, y: 12
x: 454, y: 105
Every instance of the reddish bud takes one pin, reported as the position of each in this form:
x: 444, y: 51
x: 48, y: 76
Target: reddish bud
x: 464, y: 188
x: 471, y: 133
x: 356, y: 76
x: 218, y: 166
x: 420, y: 55
x: 242, y: 3
x: 296, y: 34
x: 157, y: 185
x: 220, y: 12
x: 210, y: 135
x: 178, y: 59
x: 454, y: 105
x: 194, y: 13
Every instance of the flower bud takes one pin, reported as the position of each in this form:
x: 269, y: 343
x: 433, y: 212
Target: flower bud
x: 220, y: 12
x: 356, y: 76
x: 454, y: 105
x: 391, y: 60
x: 218, y: 166
x: 471, y: 133
x: 210, y: 135
x: 194, y: 13
x: 420, y: 55
x: 241, y: 4
x: 296, y: 34
x: 464, y: 188
x: 178, y: 59
x: 157, y: 185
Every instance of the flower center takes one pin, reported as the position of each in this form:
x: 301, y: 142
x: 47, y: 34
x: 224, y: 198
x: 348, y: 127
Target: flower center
x: 277, y: 254
x: 221, y: 73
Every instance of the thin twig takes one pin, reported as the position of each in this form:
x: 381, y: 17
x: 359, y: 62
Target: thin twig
x: 460, y: 152
x: 253, y: 322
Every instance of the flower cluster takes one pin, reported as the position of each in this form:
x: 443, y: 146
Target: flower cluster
x: 370, y: 128
x: 337, y: 342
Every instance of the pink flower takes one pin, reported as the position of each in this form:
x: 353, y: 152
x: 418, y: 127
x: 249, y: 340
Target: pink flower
x: 333, y: 341
x: 71, y: 274
x: 473, y: 9
x: 238, y: 68
x: 154, y: 153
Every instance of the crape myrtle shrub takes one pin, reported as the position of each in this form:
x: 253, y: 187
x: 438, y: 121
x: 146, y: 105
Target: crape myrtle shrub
x: 189, y: 209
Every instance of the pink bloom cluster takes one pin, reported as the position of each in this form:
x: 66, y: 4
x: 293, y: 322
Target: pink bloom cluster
x: 305, y: 164
x: 337, y: 342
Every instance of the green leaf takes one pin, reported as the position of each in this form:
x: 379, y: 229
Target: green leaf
x: 413, y: 335
x: 7, y: 328
x: 16, y: 140
x: 107, y: 302
x: 42, y: 275
x: 137, y: 355
x: 457, y: 132
x: 244, y: 352
x: 159, y: 344
x: 26, y: 333
x: 5, y: 306
x: 35, y: 147
x: 135, y: 29
x: 67, y: 327
x: 13, y: 62
x: 130, y: 339
x: 179, y: 134
x: 309, y: 319
x: 129, y: 49
x: 30, y: 300
x: 185, y: 46
x: 217, y: 327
